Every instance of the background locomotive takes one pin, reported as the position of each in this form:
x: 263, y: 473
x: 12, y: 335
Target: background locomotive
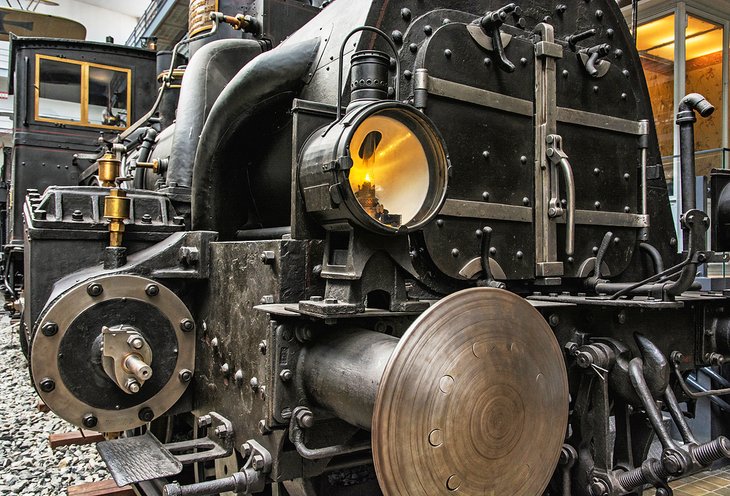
x: 452, y: 271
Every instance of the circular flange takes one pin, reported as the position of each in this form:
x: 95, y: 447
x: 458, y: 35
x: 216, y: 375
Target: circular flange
x: 474, y: 399
x: 67, y: 357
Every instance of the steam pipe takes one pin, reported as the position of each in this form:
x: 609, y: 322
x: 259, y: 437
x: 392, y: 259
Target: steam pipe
x: 268, y: 83
x: 206, y: 75
x: 686, y: 119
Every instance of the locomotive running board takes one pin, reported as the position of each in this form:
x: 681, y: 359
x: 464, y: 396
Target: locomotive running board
x: 142, y: 458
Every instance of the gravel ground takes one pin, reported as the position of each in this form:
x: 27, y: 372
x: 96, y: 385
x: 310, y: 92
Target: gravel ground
x: 27, y: 464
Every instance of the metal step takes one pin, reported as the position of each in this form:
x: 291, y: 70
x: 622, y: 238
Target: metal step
x: 139, y: 458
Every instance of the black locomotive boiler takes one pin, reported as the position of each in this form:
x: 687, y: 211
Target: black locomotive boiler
x: 410, y: 250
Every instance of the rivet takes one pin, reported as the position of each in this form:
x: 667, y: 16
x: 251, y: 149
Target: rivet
x: 595, y: 89
x: 428, y: 30
x: 597, y: 205
x: 49, y: 329
x: 627, y: 176
x: 407, y: 74
x: 225, y: 369
x: 599, y: 14
x: 626, y: 72
x: 47, y: 385
x: 485, y: 196
x: 616, y: 240
x: 485, y: 154
x: 571, y: 260
x: 447, y: 53
x: 525, y: 201
x: 440, y: 222
x: 519, y: 255
x: 523, y: 61
x: 146, y: 414
x: 89, y: 421
x: 488, y: 62
x: 565, y: 73
x: 624, y: 96
x: 478, y: 233
x: 547, y: 19
x: 413, y: 47
x: 405, y: 13
x: 397, y: 37
x: 618, y: 53
x: 523, y: 160
x: 595, y: 250
x: 446, y: 21
x: 455, y: 252
x: 263, y: 344
x: 561, y: 8
x: 627, y: 209
x: 492, y: 251
x: 609, y: 33
x: 596, y: 171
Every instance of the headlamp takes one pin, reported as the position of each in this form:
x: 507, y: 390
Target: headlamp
x: 382, y: 167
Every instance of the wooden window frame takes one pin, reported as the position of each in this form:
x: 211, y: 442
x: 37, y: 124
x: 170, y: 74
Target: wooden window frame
x: 84, y: 97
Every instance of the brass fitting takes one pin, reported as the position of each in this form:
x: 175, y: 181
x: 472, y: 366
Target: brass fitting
x: 154, y: 165
x: 116, y: 210
x: 108, y: 170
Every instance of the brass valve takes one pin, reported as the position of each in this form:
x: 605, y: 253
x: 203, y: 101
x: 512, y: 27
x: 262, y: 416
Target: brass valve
x: 108, y: 170
x: 116, y: 209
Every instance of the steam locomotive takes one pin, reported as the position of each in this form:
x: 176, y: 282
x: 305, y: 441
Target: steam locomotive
x: 387, y: 248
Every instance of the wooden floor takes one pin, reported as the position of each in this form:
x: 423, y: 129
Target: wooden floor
x: 707, y: 483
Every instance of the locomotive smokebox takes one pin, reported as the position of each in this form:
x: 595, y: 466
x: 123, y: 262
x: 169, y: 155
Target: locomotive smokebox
x: 477, y: 379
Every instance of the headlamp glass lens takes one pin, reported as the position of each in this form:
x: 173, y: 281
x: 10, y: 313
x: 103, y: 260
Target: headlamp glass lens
x: 390, y: 172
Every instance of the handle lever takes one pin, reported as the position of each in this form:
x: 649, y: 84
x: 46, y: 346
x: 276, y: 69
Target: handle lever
x: 560, y: 159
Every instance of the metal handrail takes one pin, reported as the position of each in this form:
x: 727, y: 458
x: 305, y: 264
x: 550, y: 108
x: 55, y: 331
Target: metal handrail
x: 144, y: 22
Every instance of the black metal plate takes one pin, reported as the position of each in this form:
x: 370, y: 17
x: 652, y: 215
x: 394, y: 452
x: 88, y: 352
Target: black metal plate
x: 136, y: 459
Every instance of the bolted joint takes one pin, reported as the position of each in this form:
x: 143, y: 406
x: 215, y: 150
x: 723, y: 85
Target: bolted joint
x: 132, y: 386
x: 268, y: 257
x: 673, y: 462
x: 152, y: 290
x: 146, y: 414
x: 599, y: 487
x: 285, y: 375
x: 258, y: 462
x: 185, y: 375
x: 135, y: 342
x: 304, y: 418
x: 187, y: 325
x: 204, y: 421
x: 94, y: 289
x: 221, y: 431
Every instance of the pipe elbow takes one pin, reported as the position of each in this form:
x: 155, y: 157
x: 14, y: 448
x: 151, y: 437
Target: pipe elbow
x: 695, y: 101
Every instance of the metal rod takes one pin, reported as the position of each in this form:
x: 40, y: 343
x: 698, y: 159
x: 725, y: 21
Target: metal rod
x: 567, y: 171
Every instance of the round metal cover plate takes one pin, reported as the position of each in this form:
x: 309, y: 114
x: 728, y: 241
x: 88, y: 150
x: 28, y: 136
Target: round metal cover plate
x: 474, y: 400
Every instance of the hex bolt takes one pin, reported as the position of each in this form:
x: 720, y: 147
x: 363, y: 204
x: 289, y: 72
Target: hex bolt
x: 152, y: 290
x: 77, y: 216
x: 204, y: 421
x: 584, y: 359
x: 330, y: 301
x: 285, y: 375
x: 187, y: 325
x: 185, y: 375
x: 221, y: 431
x: 47, y: 385
x: 246, y: 449
x: 135, y: 342
x: 89, y: 421
x: 238, y: 377
x: 257, y: 462
x: 146, y: 219
x: 49, y: 329
x: 305, y: 418
x: 621, y: 317
x: 225, y: 369
x: 94, y: 289
x: 254, y: 383
x: 178, y: 220
x: 146, y: 414
x: 268, y: 257
x: 263, y: 428
x: 132, y: 386
x: 554, y: 319
x: 599, y: 488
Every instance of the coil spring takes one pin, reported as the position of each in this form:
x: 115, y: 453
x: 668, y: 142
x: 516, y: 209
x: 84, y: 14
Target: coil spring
x: 714, y: 450
x: 636, y: 478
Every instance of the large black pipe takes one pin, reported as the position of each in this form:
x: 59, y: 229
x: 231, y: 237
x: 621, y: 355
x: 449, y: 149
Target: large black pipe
x: 261, y: 90
x: 209, y: 71
x: 686, y: 120
x: 342, y: 372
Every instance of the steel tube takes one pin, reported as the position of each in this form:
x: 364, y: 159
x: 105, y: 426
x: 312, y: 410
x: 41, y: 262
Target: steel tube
x: 342, y: 372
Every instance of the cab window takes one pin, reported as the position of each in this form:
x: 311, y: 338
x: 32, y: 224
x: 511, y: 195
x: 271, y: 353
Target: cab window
x: 82, y: 93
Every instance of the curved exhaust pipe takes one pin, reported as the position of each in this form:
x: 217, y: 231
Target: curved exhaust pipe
x: 269, y: 83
